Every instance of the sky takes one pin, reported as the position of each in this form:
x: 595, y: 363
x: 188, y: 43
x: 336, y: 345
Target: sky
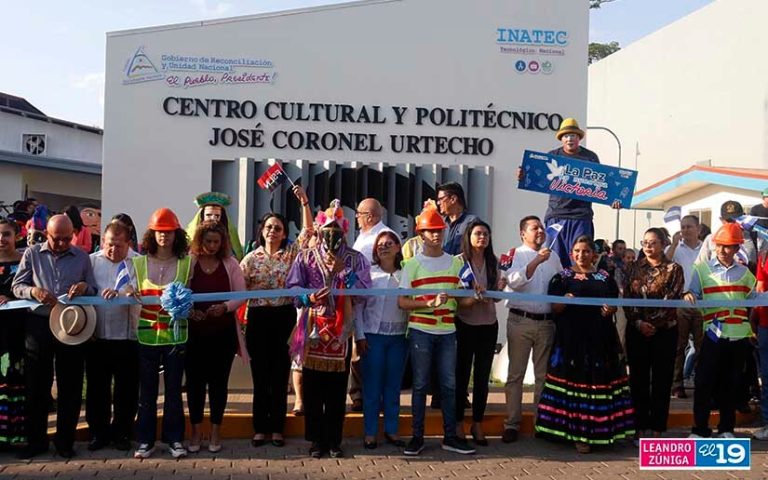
x: 53, y: 51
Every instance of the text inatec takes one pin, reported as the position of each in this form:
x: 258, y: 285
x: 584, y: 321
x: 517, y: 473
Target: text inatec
x: 463, y: 142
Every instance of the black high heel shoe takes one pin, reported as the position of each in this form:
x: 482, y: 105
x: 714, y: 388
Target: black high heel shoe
x: 481, y: 442
x: 394, y: 441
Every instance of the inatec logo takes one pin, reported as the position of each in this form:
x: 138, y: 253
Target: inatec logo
x: 531, y: 37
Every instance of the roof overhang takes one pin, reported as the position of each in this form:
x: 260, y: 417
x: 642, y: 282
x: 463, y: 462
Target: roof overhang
x: 655, y: 196
x: 50, y: 163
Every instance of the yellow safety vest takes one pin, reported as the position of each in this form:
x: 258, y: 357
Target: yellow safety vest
x: 721, y: 322
x: 440, y: 319
x: 155, y: 326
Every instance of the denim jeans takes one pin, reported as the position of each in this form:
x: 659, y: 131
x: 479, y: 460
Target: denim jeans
x: 423, y: 348
x: 383, y: 366
x: 172, y: 358
x: 762, y: 341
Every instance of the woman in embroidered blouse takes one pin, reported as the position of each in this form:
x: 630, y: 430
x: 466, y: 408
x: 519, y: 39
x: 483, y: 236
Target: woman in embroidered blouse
x: 652, y: 333
x: 380, y: 336
x: 271, y: 320
x: 214, y: 335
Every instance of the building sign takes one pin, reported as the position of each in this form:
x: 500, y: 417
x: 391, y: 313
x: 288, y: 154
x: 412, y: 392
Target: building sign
x: 471, y: 141
x: 568, y: 177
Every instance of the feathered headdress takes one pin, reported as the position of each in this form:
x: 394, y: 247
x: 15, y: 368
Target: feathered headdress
x: 212, y: 198
x: 334, y: 214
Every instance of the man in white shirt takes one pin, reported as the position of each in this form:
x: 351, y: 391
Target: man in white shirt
x: 530, y: 327
x: 747, y: 255
x: 369, y: 212
x: 113, y: 354
x: 684, y: 251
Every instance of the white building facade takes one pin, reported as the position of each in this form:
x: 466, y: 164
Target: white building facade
x: 55, y: 161
x: 383, y: 98
x: 688, y: 104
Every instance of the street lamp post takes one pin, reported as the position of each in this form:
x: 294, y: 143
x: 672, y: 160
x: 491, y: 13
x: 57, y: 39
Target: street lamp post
x: 618, y: 142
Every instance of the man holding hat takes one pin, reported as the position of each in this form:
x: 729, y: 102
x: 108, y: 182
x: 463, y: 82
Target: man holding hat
x: 47, y: 271
x: 574, y: 215
x: 727, y: 331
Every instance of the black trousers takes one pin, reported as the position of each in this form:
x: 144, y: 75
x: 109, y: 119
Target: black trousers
x: 719, y: 373
x: 111, y: 415
x: 209, y: 363
x: 41, y: 347
x: 325, y: 395
x: 651, y: 368
x: 475, y: 345
x: 266, y: 338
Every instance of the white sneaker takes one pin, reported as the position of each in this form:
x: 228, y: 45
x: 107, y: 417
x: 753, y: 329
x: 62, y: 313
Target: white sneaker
x: 177, y: 450
x: 693, y: 435
x: 761, y: 434
x: 145, y: 450
x: 726, y: 435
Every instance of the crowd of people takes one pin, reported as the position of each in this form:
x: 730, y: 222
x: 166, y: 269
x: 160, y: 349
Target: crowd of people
x: 602, y: 374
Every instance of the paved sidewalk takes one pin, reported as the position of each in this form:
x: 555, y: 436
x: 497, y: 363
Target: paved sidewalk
x: 528, y: 459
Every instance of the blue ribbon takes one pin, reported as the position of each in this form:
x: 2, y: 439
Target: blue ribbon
x: 390, y: 292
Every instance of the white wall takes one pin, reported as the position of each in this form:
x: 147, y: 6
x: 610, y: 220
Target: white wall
x: 11, y: 184
x: 392, y: 53
x: 693, y: 91
x: 62, y: 141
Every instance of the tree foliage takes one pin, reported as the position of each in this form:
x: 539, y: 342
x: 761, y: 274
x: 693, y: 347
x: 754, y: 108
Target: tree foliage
x: 598, y: 3
x: 598, y: 51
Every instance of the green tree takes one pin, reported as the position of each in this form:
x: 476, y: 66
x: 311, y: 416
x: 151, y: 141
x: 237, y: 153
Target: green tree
x: 598, y: 3
x: 602, y: 50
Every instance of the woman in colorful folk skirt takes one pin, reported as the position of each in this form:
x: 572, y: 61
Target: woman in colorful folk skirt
x: 12, y: 396
x: 586, y: 397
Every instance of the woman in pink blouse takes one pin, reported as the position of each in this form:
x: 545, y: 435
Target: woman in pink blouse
x: 271, y: 320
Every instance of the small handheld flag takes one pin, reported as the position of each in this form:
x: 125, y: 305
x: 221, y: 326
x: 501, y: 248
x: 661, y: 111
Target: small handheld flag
x: 273, y: 178
x: 506, y: 259
x: 467, y: 276
x: 123, y: 278
x: 747, y: 222
x: 552, y: 232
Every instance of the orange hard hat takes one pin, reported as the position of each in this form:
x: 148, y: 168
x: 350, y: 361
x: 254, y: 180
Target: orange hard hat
x: 729, y: 234
x: 163, y: 220
x: 429, y: 219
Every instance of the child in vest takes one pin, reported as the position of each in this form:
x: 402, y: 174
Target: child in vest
x: 431, y: 330
x: 727, y: 332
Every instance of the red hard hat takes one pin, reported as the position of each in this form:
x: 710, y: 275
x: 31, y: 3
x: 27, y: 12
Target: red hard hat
x: 729, y: 234
x: 429, y: 219
x: 163, y: 220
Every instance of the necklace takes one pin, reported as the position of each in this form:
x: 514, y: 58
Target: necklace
x: 210, y: 269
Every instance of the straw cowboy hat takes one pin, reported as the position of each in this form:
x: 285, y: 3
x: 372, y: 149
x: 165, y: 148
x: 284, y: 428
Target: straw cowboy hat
x: 569, y: 125
x: 72, y: 324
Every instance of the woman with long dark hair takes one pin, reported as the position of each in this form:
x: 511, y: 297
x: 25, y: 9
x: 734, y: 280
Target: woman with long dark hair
x: 586, y: 396
x: 476, y: 329
x: 380, y: 336
x: 213, y: 331
x: 271, y: 320
x: 162, y: 338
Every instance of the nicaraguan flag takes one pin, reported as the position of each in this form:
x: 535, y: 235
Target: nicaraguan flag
x: 747, y: 222
x: 552, y: 232
x: 123, y: 279
x: 466, y: 276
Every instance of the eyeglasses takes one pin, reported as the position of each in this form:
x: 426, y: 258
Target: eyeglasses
x: 443, y: 198
x: 569, y: 136
x: 386, y: 245
x: 360, y: 214
x: 481, y: 234
x: 650, y: 244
